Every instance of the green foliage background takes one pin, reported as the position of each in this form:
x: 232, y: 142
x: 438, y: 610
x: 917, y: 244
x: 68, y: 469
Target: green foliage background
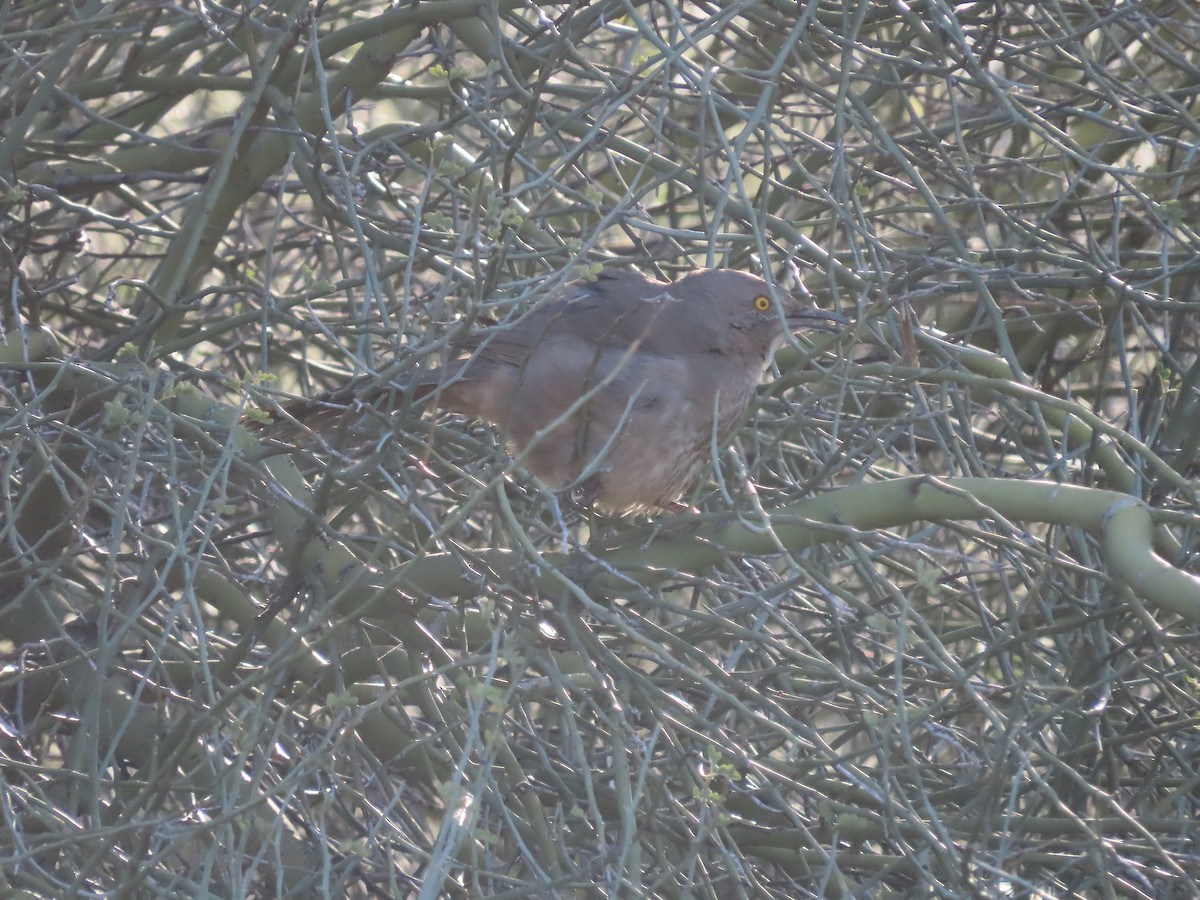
x: 930, y: 629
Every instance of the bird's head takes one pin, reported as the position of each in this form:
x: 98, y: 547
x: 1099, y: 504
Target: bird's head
x: 747, y: 312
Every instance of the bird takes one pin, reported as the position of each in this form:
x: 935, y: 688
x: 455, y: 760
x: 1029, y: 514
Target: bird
x: 613, y: 390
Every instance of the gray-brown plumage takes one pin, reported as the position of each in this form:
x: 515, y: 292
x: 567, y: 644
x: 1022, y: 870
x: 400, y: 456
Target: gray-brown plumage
x: 619, y: 387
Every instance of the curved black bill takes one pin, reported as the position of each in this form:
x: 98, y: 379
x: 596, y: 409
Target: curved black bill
x: 816, y: 319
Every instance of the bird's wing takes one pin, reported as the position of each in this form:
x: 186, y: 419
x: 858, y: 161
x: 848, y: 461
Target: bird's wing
x: 613, y: 312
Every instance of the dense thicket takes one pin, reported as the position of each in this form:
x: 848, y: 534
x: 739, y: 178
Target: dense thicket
x: 931, y: 626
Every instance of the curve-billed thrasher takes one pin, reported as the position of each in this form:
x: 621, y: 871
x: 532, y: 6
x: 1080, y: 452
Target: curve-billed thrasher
x: 618, y: 387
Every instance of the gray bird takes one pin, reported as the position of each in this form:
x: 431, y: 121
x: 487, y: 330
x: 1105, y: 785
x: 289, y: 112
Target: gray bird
x: 618, y: 387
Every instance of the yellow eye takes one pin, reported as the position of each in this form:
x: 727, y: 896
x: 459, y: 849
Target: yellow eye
x: 762, y: 303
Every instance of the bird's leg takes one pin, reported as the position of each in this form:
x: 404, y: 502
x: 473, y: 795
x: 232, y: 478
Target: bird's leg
x: 586, y: 492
